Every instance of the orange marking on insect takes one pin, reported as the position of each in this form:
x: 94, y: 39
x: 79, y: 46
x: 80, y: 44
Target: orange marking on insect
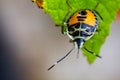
x: 91, y: 18
x: 74, y: 19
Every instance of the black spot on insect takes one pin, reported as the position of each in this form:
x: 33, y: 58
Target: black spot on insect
x: 83, y: 12
x: 96, y: 18
x: 75, y: 34
x: 77, y: 26
x: 87, y: 30
x: 80, y: 19
x: 71, y: 29
x: 81, y: 16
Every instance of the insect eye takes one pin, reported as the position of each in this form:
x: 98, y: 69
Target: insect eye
x: 83, y: 12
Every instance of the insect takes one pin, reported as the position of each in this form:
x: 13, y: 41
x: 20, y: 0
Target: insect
x: 39, y: 3
x: 80, y: 27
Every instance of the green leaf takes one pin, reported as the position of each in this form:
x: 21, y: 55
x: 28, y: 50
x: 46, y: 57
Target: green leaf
x: 57, y: 9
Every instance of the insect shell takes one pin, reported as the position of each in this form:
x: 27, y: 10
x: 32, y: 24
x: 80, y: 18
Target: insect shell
x: 81, y: 26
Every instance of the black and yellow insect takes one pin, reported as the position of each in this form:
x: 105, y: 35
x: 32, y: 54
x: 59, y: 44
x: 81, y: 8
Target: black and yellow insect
x: 80, y: 27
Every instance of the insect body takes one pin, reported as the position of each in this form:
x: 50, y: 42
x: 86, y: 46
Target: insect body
x: 81, y: 26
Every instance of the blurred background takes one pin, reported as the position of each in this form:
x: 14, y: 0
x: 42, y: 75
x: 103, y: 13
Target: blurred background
x: 30, y: 43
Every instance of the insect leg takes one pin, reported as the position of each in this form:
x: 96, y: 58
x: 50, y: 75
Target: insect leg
x: 98, y: 30
x: 64, y: 22
x: 91, y: 52
x: 99, y: 16
x: 97, y: 12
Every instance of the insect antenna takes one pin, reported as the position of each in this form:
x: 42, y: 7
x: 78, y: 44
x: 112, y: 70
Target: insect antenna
x: 61, y: 59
